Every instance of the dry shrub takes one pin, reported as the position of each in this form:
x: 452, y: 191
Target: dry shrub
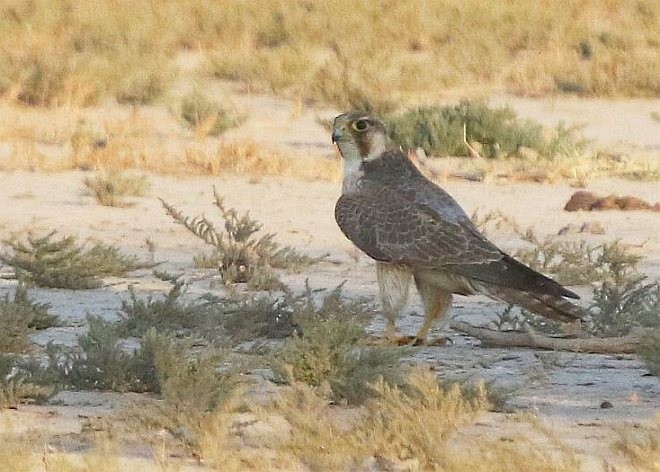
x: 81, y: 55
x: 206, y: 116
x: 18, y: 385
x: 240, y: 252
x: 255, y: 160
x: 110, y: 188
x: 400, y: 426
x: 640, y: 445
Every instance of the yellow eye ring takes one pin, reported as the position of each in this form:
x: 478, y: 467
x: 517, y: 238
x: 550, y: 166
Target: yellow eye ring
x: 360, y: 125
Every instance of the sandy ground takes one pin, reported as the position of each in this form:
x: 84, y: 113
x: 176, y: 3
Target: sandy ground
x: 567, y: 390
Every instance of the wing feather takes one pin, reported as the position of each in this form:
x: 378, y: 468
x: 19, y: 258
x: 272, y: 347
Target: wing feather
x: 395, y: 227
x: 392, y: 227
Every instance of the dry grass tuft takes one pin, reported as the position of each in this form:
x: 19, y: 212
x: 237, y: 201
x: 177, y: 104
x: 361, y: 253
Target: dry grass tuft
x: 255, y: 160
x: 206, y: 116
x: 640, y: 445
x: 109, y: 188
x: 412, y: 427
x: 128, y: 52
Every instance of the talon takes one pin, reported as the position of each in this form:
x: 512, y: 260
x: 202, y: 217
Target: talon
x: 417, y: 341
x: 404, y: 340
x: 441, y: 341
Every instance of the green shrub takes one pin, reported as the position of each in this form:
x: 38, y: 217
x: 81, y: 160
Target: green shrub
x: 200, y: 317
x: 159, y: 365
x: 64, y: 263
x: 499, y: 132
x: 649, y: 351
x: 622, y: 299
x: 330, y: 346
x: 568, y: 262
x: 20, y: 316
x: 620, y: 305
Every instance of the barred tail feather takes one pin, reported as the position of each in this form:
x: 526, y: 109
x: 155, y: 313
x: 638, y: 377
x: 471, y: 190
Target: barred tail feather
x: 553, y: 307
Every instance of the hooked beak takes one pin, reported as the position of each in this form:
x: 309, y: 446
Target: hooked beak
x: 337, y: 135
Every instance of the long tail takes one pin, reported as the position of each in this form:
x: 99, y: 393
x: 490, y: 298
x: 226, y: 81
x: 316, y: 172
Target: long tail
x: 550, y: 306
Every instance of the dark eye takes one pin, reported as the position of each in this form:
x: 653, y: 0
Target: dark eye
x: 360, y: 125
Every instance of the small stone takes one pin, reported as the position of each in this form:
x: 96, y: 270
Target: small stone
x: 592, y: 228
x: 606, y: 405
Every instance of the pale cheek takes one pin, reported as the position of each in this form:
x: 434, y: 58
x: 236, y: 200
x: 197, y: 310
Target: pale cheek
x: 376, y: 147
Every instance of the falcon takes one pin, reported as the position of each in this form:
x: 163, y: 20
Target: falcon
x: 415, y: 230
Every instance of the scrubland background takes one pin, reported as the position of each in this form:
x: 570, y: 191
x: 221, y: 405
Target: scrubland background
x: 230, y: 325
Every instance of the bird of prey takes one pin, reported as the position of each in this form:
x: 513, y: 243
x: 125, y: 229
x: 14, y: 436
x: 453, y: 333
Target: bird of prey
x: 414, y: 229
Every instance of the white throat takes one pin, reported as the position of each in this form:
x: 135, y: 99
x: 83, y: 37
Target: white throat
x: 352, y: 174
x: 352, y: 167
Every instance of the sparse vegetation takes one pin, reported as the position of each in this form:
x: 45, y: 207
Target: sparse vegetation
x: 623, y: 303
x: 160, y: 363
x: 622, y: 300
x: 79, y: 57
x: 569, y: 262
x: 131, y: 53
x: 17, y: 383
x: 409, y: 427
x: 463, y: 43
x: 20, y: 316
x: 330, y: 346
x: 640, y: 445
x: 63, y: 263
x: 497, y: 132
x: 110, y: 188
x: 206, y: 116
x: 649, y: 350
x: 169, y: 314
x: 239, y: 254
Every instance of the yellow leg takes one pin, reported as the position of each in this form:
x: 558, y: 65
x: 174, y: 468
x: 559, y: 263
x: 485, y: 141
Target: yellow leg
x: 436, y: 305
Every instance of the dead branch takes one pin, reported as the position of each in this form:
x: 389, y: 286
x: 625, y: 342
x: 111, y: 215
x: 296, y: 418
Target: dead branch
x: 473, y: 152
x: 529, y: 338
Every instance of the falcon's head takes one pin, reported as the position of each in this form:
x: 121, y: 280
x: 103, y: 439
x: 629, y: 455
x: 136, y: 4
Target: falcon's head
x: 359, y: 136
